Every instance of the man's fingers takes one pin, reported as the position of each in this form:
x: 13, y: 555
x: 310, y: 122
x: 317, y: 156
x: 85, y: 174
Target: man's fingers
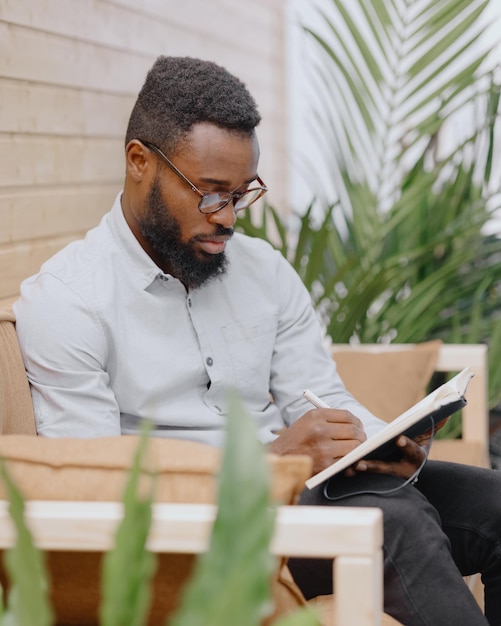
x: 336, y: 425
x: 412, y: 457
x: 412, y: 451
x: 340, y: 416
x: 325, y: 435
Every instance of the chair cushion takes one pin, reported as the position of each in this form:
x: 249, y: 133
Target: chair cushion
x: 390, y: 381
x: 16, y: 409
x: 96, y: 469
x: 324, y: 605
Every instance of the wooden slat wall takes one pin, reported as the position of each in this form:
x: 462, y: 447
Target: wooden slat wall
x: 69, y: 73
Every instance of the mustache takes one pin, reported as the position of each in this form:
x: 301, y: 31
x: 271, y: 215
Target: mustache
x: 221, y: 231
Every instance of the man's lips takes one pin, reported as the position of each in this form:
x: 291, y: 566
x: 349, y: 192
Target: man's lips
x: 212, y: 245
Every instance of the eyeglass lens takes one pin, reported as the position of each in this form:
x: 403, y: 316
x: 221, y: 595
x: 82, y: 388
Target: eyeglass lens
x: 212, y: 202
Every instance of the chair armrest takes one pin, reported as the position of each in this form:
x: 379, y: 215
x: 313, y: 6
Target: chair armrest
x: 475, y: 415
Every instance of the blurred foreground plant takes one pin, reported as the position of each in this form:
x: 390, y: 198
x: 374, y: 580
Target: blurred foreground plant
x: 27, y: 603
x: 230, y: 583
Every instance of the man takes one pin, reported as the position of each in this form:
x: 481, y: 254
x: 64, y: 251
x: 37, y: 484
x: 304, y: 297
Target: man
x: 161, y: 309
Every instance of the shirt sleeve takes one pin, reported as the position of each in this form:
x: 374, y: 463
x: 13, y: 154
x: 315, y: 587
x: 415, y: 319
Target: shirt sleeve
x: 64, y: 348
x: 300, y: 359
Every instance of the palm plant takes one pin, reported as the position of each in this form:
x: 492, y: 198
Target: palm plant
x: 400, y: 251
x: 391, y: 74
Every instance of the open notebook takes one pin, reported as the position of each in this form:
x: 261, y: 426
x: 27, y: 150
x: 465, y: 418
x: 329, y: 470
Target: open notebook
x: 420, y: 418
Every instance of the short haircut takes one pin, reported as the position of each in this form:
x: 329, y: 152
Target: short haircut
x: 180, y: 92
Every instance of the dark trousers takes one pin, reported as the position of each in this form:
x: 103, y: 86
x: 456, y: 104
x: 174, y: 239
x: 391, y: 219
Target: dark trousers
x: 446, y: 526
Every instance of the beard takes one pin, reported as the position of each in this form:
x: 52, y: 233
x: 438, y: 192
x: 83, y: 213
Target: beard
x: 163, y: 232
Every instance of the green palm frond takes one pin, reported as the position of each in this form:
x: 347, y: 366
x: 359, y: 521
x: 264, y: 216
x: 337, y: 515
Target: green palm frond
x: 392, y: 72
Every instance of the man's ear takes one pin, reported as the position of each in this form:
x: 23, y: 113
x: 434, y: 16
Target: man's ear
x: 137, y: 160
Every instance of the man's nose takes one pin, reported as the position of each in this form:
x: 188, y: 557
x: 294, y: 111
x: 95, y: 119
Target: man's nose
x: 225, y: 216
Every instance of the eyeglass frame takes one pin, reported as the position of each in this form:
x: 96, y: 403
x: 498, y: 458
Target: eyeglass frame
x: 234, y: 196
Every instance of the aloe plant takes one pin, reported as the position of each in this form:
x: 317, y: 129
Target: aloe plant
x: 27, y: 603
x: 231, y: 582
x: 129, y: 567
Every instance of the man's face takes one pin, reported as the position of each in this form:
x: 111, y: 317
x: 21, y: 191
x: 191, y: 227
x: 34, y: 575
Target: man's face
x: 181, y: 240
x: 164, y: 235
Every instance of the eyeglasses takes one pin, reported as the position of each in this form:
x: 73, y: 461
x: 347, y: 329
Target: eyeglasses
x: 213, y: 201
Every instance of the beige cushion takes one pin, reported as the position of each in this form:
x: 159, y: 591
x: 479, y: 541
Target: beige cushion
x: 325, y: 607
x: 391, y: 381
x: 96, y: 469
x: 16, y: 409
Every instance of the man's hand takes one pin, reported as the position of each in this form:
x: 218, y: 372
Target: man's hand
x: 323, y: 434
x: 413, y: 455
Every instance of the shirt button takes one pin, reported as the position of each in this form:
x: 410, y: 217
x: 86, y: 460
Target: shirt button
x: 209, y: 361
x: 189, y: 302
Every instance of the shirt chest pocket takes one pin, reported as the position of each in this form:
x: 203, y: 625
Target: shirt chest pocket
x: 250, y: 346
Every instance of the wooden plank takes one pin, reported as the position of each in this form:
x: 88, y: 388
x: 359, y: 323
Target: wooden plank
x: 94, y: 22
x: 18, y: 261
x: 42, y: 57
x: 315, y: 531
x: 33, y: 160
x: 453, y: 357
x: 358, y: 590
x: 31, y: 55
x: 145, y: 27
x: 215, y: 16
x: 48, y: 212
x: 33, y: 108
x: 46, y: 58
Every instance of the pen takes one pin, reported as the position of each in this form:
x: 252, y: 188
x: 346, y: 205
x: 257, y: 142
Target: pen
x: 315, y: 400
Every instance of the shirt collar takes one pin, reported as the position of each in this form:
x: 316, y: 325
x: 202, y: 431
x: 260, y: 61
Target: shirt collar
x: 141, y: 263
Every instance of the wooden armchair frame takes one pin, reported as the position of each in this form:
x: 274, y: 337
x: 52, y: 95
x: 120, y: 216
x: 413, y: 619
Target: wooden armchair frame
x: 353, y: 536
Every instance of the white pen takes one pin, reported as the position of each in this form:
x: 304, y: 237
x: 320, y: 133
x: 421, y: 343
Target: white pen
x: 315, y: 400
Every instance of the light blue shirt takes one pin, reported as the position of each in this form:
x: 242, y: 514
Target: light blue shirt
x: 109, y: 339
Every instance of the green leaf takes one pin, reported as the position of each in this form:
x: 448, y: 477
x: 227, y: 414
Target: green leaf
x: 231, y: 582
x: 386, y: 79
x: 494, y: 358
x: 443, y: 44
x: 28, y: 603
x: 128, y: 568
